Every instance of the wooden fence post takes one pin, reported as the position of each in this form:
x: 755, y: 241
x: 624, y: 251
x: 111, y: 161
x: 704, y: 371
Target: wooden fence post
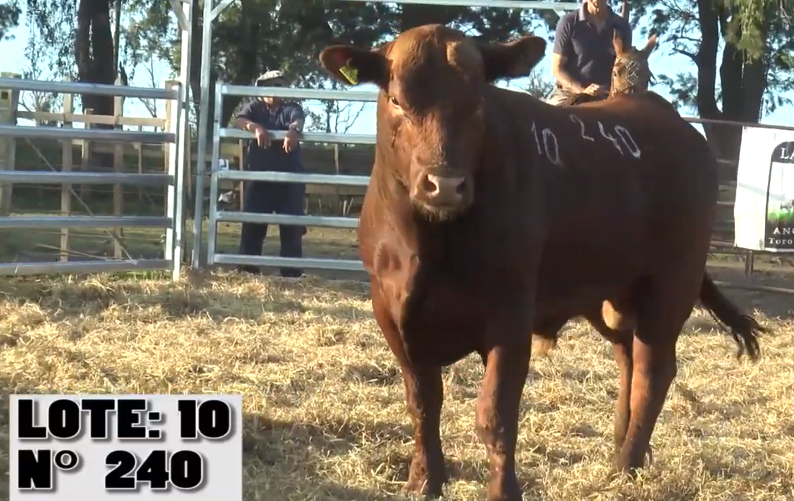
x: 67, y: 153
x: 9, y: 101
x: 118, y: 168
x: 139, y: 150
x: 85, y: 165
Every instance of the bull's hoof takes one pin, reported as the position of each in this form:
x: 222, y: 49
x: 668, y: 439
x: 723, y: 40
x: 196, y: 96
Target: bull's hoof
x: 425, y: 479
x: 624, y: 465
x: 424, y: 485
x: 504, y: 489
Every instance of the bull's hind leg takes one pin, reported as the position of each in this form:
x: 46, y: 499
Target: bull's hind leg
x: 424, y: 395
x: 665, y: 303
x: 620, y: 332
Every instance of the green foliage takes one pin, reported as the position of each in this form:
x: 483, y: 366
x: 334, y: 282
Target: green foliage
x: 757, y: 63
x: 743, y: 50
x: 252, y: 36
x: 53, y: 24
x: 540, y: 85
x: 9, y: 18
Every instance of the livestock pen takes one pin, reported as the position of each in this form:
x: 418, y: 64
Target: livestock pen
x: 324, y: 410
x: 323, y: 397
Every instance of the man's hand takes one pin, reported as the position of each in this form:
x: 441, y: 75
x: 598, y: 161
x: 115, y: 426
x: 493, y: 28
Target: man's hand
x: 594, y: 90
x: 261, y: 134
x: 291, y: 140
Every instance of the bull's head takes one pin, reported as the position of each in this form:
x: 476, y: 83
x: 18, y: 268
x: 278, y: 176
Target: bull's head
x: 434, y: 83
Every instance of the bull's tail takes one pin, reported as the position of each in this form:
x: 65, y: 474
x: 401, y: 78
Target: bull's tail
x: 743, y: 328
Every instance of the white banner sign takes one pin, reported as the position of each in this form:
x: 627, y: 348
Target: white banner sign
x: 764, y: 210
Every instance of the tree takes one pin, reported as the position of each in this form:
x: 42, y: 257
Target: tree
x: 539, y: 85
x: 94, y: 52
x: 154, y: 80
x: 81, y: 42
x: 334, y: 117
x: 9, y: 18
x: 751, y: 76
x: 37, y: 69
x: 252, y: 36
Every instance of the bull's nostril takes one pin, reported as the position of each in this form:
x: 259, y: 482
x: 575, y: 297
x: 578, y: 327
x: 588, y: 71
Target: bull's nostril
x: 461, y: 187
x: 428, y: 185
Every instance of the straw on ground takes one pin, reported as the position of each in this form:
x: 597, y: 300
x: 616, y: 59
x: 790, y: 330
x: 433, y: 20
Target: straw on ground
x: 325, y: 416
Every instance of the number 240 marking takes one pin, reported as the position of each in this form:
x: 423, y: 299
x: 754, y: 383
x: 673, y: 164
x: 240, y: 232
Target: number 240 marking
x: 183, y: 469
x: 622, y: 132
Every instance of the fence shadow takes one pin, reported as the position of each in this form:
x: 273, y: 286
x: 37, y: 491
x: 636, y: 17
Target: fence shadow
x: 203, y: 294
x: 265, y: 456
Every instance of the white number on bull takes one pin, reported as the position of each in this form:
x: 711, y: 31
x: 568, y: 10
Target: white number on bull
x: 578, y: 120
x: 607, y: 136
x: 631, y: 145
x: 550, y: 146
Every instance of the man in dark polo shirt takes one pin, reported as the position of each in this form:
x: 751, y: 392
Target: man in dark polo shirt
x: 583, y: 52
x: 263, y: 153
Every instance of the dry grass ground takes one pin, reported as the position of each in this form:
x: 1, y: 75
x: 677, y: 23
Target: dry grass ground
x: 325, y: 416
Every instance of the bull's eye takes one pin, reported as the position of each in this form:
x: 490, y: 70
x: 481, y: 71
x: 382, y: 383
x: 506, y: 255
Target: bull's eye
x: 394, y: 102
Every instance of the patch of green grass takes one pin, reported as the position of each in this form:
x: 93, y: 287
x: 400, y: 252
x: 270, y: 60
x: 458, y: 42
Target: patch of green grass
x: 780, y: 217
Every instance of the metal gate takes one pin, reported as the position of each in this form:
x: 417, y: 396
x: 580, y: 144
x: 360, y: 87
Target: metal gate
x: 174, y: 179
x: 219, y: 132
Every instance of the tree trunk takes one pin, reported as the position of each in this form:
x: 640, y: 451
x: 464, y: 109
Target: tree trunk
x: 742, y: 80
x: 247, y: 66
x: 94, y: 52
x: 94, y: 58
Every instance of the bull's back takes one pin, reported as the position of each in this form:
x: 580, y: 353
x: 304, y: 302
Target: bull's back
x: 634, y: 152
x: 632, y: 180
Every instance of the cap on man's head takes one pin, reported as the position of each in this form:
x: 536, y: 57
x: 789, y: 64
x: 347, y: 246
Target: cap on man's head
x: 270, y: 76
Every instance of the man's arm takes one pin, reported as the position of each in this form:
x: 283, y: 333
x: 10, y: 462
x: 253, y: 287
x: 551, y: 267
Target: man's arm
x: 246, y: 118
x: 563, y: 46
x: 297, y: 119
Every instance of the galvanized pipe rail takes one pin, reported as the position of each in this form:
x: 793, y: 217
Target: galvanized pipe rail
x: 216, y: 216
x: 173, y: 179
x: 211, y: 11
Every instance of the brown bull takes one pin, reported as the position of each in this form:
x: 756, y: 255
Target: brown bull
x: 489, y: 212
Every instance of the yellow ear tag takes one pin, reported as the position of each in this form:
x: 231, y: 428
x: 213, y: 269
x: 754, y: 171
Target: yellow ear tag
x: 350, y: 73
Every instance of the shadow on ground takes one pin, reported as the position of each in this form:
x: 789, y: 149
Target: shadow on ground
x: 77, y: 298
x: 278, y: 455
x: 275, y: 444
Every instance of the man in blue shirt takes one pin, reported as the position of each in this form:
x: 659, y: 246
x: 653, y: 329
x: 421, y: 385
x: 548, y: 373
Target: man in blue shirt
x: 260, y: 116
x: 583, y: 53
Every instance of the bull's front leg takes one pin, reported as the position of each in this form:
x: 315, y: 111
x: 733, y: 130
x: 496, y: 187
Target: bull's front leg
x: 507, y: 356
x: 424, y: 395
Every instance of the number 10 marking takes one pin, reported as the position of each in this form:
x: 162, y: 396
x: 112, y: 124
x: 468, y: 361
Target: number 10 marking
x: 210, y: 419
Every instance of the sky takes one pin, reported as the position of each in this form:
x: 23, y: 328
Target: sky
x: 661, y: 62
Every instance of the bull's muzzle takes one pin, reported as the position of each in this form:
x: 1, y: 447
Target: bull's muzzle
x: 442, y: 190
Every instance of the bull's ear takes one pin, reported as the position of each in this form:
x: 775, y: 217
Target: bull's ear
x: 355, y: 66
x: 513, y: 59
